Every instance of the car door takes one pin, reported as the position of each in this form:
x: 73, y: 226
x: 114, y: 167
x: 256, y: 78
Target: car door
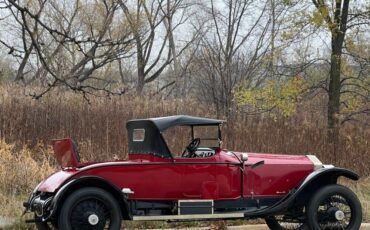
x: 209, y: 178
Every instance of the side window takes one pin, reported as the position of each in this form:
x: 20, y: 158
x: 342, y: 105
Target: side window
x: 138, y: 135
x: 177, y: 138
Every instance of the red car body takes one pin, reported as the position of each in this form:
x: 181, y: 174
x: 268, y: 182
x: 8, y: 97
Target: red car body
x: 217, y: 177
x: 203, y: 183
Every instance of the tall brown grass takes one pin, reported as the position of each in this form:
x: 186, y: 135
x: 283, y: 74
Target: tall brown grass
x: 98, y: 126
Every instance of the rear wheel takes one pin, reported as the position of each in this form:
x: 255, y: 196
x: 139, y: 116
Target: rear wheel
x: 334, y: 207
x: 90, y: 208
x: 281, y: 223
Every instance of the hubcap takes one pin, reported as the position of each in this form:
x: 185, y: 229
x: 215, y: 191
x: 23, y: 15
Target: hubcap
x: 93, y: 219
x: 339, y: 215
x: 89, y: 214
x: 335, y: 212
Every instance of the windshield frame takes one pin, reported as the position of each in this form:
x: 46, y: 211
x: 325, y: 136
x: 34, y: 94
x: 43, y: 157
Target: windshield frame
x: 219, y: 136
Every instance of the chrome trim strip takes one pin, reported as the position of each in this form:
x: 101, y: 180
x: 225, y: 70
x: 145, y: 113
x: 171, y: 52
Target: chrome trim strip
x: 234, y: 215
x: 328, y: 166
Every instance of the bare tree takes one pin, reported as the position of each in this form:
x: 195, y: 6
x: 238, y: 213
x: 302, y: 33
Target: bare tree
x: 232, y: 49
x: 69, y: 42
x: 154, y: 37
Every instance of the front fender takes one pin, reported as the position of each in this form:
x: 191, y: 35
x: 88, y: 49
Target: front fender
x: 298, y: 196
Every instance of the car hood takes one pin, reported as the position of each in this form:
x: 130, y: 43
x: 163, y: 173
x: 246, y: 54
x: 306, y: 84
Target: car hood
x: 287, y: 159
x: 278, y: 158
x: 270, y: 158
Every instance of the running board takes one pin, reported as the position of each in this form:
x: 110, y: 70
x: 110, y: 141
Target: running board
x: 232, y: 215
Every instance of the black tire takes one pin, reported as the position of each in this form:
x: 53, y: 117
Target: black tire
x: 90, y: 202
x: 274, y: 224
x: 329, y: 200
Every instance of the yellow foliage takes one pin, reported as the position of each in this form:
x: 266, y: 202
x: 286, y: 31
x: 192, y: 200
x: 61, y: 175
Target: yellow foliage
x: 360, y: 48
x: 353, y: 103
x: 317, y: 18
x: 287, y: 35
x: 283, y: 97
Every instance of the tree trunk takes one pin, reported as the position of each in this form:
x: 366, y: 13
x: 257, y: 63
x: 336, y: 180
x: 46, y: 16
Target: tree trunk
x: 140, y: 81
x: 334, y: 85
x: 140, y: 69
x: 334, y: 91
x: 121, y: 74
x: 338, y: 28
x: 20, y: 71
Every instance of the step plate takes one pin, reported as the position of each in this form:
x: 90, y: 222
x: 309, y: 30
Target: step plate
x: 195, y: 207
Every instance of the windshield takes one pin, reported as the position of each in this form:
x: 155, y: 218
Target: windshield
x: 177, y: 138
x: 208, y: 135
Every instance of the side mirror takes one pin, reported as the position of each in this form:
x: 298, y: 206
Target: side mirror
x: 244, y: 157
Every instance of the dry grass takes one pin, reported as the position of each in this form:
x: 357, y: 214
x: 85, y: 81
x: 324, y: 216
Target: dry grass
x: 99, y: 127
x: 20, y: 172
x: 362, y: 189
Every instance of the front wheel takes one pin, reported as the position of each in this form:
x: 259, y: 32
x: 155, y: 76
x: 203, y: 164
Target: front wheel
x: 90, y: 208
x: 334, y: 207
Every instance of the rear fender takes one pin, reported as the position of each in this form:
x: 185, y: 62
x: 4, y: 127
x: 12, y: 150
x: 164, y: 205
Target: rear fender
x: 308, y: 187
x: 81, y: 182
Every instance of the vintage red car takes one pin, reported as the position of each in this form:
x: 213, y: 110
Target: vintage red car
x: 205, y: 182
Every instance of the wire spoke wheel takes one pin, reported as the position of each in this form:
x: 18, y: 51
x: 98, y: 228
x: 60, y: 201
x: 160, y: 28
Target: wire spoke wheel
x: 90, y: 214
x: 335, y: 213
x: 90, y: 208
x: 334, y: 207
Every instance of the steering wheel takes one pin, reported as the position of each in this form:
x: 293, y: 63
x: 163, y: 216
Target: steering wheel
x: 189, y: 151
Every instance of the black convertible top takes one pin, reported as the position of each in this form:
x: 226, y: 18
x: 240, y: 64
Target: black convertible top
x: 164, y: 123
x: 153, y: 142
